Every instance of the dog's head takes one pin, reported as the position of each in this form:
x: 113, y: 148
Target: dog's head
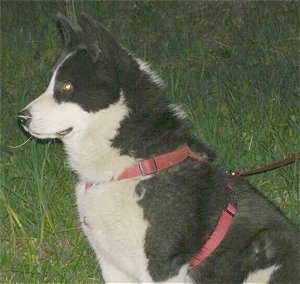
x: 87, y: 78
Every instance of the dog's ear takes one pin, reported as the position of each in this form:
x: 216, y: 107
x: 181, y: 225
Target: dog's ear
x: 91, y: 37
x: 98, y: 39
x: 69, y: 30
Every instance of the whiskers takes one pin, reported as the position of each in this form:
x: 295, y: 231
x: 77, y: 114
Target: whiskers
x: 18, y: 146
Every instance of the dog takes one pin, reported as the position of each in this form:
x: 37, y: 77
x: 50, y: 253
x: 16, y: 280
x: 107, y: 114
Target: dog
x: 152, y: 202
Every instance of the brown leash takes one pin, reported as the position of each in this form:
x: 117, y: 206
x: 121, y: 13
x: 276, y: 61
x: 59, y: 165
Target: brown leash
x: 282, y: 163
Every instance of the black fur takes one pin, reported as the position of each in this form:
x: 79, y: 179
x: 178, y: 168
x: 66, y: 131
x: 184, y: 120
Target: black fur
x: 89, y: 92
x: 182, y: 206
x: 152, y: 128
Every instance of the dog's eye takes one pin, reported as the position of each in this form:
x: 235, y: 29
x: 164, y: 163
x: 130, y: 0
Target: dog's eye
x: 68, y: 87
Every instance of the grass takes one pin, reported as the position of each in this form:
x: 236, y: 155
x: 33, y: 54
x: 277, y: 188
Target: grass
x: 234, y: 68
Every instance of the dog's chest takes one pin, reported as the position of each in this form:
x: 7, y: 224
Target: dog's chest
x: 113, y: 222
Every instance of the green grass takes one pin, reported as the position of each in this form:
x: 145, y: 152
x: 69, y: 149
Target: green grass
x: 232, y: 66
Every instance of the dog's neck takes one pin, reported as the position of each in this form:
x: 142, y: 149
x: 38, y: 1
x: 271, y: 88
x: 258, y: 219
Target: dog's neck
x: 114, y: 139
x: 90, y: 153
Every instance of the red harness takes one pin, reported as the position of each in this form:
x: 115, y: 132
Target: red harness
x: 152, y: 165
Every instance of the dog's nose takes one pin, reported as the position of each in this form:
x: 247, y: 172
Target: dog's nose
x: 24, y: 117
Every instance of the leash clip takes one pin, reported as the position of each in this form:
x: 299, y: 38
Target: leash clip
x: 232, y: 173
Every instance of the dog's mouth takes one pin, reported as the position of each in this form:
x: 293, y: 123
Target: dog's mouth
x: 59, y: 134
x: 65, y: 132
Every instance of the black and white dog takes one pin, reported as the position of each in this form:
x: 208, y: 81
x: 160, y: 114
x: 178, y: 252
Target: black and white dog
x: 173, y: 218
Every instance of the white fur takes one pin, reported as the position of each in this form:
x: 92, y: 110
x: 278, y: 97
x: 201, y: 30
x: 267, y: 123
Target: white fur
x: 116, y: 228
x: 89, y: 150
x: 261, y: 276
x: 178, y: 111
x: 144, y: 66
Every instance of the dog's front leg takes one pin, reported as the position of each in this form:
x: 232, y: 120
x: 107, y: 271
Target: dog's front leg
x: 112, y: 274
x: 182, y: 277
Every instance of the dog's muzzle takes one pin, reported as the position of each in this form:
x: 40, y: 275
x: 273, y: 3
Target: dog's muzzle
x: 24, y: 117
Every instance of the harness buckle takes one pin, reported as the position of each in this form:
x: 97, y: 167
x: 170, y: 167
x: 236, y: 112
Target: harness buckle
x: 147, y: 166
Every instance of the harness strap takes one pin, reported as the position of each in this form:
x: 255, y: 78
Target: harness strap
x: 216, y: 237
x: 152, y: 165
